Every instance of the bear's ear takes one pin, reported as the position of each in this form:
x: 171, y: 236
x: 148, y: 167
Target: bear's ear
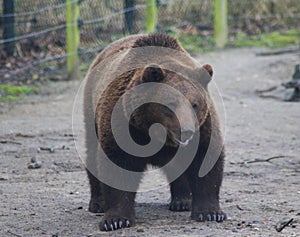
x: 206, y: 73
x: 209, y: 69
x: 153, y: 73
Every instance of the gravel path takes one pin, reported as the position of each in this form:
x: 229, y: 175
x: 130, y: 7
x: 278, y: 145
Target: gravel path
x: 261, y: 184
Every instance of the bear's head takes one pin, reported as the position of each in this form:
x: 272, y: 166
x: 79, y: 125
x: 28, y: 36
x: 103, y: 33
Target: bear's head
x: 181, y: 117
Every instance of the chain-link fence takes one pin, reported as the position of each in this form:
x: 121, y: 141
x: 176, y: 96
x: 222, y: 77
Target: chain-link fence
x: 40, y: 27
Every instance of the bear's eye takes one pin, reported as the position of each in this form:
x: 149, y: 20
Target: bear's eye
x: 195, y: 105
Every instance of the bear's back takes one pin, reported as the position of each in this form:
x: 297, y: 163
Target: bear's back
x: 135, y: 41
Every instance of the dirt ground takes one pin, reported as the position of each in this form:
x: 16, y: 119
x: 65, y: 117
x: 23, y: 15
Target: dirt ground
x: 261, y: 184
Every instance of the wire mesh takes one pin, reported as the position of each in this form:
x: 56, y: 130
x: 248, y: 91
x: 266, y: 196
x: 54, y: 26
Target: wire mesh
x: 40, y: 25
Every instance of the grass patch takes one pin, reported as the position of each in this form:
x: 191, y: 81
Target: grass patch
x: 195, y: 43
x: 84, y: 66
x: 271, y: 40
x: 12, y: 93
x: 199, y: 44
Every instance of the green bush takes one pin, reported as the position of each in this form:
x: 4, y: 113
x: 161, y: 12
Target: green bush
x: 11, y: 93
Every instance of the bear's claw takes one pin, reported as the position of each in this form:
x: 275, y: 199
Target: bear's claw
x: 111, y: 225
x: 180, y: 204
x: 212, y: 216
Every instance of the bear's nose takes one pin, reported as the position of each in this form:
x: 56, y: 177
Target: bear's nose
x: 187, y: 134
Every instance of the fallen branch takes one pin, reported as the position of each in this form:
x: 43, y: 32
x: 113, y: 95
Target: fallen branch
x: 14, y: 234
x: 53, y: 149
x: 282, y: 224
x: 24, y: 135
x: 12, y: 142
x: 266, y: 90
x: 50, y: 149
x: 238, y: 207
x: 279, y: 52
x: 259, y: 160
x: 265, y: 160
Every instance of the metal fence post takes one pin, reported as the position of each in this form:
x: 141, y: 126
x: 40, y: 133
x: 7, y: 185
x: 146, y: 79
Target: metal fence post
x: 73, y: 39
x: 151, y: 16
x: 220, y: 23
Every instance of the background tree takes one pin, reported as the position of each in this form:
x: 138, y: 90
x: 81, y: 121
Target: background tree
x: 130, y: 16
x: 9, y: 25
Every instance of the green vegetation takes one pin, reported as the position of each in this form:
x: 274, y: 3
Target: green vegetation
x: 197, y: 43
x: 271, y: 40
x: 12, y: 93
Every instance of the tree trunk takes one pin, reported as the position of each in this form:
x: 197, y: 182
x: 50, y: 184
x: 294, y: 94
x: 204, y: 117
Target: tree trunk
x: 130, y: 16
x: 8, y: 26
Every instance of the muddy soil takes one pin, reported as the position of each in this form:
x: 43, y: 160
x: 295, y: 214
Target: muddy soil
x: 261, y: 184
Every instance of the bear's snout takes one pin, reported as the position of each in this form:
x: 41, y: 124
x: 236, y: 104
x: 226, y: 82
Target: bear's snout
x: 187, y: 134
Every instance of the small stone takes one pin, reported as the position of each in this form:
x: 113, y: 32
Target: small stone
x: 34, y: 164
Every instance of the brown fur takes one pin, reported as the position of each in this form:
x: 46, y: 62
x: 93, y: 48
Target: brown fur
x: 189, y: 192
x: 160, y: 40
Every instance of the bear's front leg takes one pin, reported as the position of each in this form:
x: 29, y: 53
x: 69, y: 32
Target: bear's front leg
x: 119, y: 209
x: 181, y: 197
x: 119, y: 201
x: 205, y: 193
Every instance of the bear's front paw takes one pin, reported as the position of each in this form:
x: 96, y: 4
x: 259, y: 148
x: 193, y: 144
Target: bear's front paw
x: 180, y: 204
x: 115, y: 223
x: 218, y: 216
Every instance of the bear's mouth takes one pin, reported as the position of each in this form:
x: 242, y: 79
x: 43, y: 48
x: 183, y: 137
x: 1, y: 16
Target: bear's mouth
x: 178, y: 142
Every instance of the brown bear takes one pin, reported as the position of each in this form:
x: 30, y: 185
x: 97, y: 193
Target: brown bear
x: 183, y: 124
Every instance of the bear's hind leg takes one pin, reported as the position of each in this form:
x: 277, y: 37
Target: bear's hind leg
x: 96, y: 204
x: 181, y: 197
